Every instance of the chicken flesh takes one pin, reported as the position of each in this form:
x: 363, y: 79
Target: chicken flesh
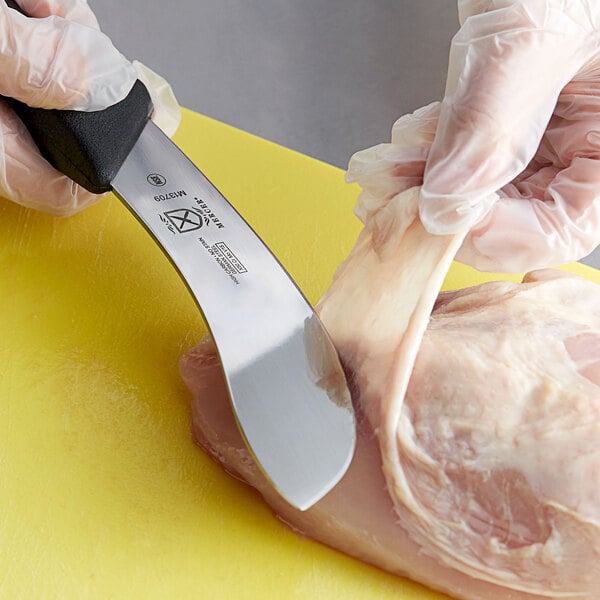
x: 477, y: 467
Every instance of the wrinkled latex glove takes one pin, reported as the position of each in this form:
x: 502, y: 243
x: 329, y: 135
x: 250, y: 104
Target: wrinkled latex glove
x: 61, y: 60
x: 513, y: 150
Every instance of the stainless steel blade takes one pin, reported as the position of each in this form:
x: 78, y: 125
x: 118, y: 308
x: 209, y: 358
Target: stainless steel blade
x: 286, y: 384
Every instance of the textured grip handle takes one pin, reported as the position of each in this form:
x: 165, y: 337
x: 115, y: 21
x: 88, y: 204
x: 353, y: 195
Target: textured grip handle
x: 88, y: 147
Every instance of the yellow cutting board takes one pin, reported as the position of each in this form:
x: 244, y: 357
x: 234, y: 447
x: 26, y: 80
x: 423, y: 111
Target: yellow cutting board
x: 102, y: 492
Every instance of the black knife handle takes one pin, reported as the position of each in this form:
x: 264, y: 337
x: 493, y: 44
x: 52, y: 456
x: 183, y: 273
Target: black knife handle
x: 88, y: 147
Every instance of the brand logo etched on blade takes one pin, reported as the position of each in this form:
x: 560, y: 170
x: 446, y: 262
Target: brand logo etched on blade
x: 156, y: 179
x: 185, y: 220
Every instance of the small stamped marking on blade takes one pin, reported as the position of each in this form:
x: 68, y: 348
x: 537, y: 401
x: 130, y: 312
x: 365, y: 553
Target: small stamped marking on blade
x: 206, y: 211
x: 225, y: 258
x: 183, y: 220
x: 230, y: 257
x: 169, y: 195
x: 156, y: 179
x: 188, y: 218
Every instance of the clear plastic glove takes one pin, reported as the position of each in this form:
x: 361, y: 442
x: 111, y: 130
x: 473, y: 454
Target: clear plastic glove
x: 61, y: 60
x: 513, y: 151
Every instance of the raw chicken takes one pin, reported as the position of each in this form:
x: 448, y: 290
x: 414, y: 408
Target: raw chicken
x: 477, y: 469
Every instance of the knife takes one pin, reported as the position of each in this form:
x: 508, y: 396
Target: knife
x: 284, y: 377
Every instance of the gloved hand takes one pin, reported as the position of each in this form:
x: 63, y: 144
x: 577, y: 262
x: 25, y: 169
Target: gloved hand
x: 61, y: 60
x: 513, y: 150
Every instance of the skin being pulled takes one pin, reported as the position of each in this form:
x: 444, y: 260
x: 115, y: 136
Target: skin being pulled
x: 477, y: 468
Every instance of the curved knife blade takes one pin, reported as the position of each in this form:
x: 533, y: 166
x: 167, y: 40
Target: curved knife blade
x: 286, y: 384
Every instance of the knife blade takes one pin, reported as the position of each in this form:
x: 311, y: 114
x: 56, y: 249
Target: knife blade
x: 285, y: 381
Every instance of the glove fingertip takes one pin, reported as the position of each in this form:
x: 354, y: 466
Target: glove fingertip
x: 448, y: 215
x: 77, y: 11
x: 167, y: 113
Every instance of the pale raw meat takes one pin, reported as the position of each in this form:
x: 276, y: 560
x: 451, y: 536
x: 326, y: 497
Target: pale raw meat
x: 477, y: 469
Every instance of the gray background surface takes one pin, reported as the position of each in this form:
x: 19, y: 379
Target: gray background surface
x: 324, y: 77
